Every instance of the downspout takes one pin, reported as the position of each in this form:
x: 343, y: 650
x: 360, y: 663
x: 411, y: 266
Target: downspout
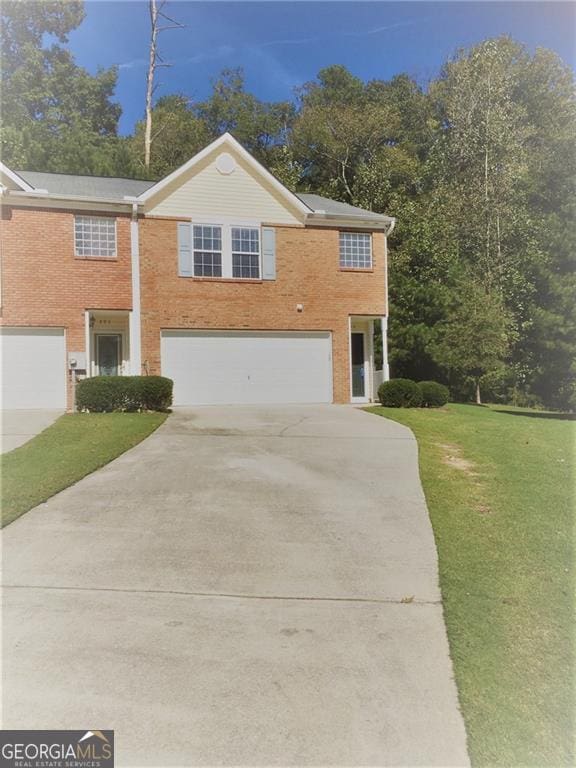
x: 384, y: 320
x: 135, y: 315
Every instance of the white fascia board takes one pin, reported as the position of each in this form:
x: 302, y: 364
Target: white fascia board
x: 35, y: 192
x: 226, y: 140
x: 73, y: 200
x: 18, y: 180
x: 378, y: 217
x: 358, y: 222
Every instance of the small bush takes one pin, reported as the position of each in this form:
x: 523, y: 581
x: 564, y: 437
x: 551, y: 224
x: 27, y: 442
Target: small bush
x: 155, y: 392
x: 104, y: 394
x: 400, y: 393
x: 434, y: 394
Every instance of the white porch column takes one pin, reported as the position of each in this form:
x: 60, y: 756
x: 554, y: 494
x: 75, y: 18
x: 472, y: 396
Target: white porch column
x: 371, y: 368
x: 385, y: 366
x: 87, y: 343
x: 135, y: 320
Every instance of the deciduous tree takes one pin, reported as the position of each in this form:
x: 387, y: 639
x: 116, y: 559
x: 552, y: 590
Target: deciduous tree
x: 475, y: 337
x: 56, y: 116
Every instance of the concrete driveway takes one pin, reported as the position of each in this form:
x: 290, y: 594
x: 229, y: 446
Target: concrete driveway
x: 17, y: 427
x: 249, y: 586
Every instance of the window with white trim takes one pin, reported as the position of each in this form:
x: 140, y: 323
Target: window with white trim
x: 95, y: 237
x: 356, y: 250
x: 207, y: 251
x: 246, y: 252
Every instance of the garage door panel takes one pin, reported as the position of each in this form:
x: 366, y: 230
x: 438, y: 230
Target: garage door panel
x: 33, y: 368
x: 248, y: 367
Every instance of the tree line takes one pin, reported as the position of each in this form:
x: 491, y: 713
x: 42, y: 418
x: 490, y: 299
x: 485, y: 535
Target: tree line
x: 479, y: 168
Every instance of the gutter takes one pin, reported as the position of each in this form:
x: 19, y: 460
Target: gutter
x: 384, y: 321
x: 135, y: 328
x: 45, y: 195
x: 374, y: 217
x: 385, y: 223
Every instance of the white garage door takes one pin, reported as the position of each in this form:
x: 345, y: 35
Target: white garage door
x: 33, y: 368
x: 221, y: 367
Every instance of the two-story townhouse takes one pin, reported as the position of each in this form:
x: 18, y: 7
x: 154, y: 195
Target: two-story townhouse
x: 216, y: 276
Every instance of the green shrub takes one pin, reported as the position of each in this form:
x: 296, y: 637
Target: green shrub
x: 434, y: 394
x: 155, y: 392
x: 124, y: 393
x: 400, y: 393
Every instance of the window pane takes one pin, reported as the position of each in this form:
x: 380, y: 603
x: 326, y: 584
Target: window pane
x: 245, y: 265
x: 207, y: 264
x: 355, y: 250
x: 95, y: 236
x: 245, y: 240
x: 207, y: 251
x: 207, y: 238
x: 246, y: 252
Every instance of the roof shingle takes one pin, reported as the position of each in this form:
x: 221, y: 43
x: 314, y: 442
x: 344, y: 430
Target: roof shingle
x: 112, y: 188
x: 85, y: 186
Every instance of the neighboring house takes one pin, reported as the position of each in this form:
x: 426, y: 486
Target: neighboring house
x: 216, y: 276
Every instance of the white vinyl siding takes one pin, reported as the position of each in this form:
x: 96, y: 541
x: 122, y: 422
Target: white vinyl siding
x: 33, y: 365
x: 95, y: 237
x: 355, y: 250
x: 206, y: 193
x: 248, y: 367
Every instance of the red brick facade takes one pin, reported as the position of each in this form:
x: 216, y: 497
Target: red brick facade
x: 44, y: 284
x: 307, y: 273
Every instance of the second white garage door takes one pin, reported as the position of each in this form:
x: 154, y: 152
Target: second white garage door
x: 227, y: 367
x: 33, y: 368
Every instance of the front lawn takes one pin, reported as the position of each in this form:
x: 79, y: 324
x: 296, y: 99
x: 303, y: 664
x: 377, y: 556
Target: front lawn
x: 75, y: 445
x: 500, y: 489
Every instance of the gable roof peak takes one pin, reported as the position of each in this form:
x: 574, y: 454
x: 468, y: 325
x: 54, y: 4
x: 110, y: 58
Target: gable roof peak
x: 226, y: 138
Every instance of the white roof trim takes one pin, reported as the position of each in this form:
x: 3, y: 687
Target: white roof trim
x: 14, y: 197
x: 370, y: 225
x: 376, y: 217
x: 18, y: 180
x: 225, y: 139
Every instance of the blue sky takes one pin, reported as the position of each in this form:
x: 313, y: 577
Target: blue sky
x: 281, y: 45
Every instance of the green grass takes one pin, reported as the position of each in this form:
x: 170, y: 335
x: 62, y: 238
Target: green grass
x: 504, y: 526
x: 75, y: 445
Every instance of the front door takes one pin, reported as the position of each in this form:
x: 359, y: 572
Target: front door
x: 108, y: 353
x: 358, y: 366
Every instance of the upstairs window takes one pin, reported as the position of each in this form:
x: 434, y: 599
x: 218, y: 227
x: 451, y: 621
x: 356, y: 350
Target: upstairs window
x: 355, y: 250
x: 95, y: 237
x: 245, y: 252
x: 207, y: 251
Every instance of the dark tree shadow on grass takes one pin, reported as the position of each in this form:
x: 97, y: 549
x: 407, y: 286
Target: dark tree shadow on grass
x: 539, y: 414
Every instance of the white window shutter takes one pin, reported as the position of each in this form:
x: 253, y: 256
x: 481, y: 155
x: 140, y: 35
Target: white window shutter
x: 268, y: 253
x: 185, y: 250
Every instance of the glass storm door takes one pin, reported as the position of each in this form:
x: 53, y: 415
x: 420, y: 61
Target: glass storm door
x: 358, y: 366
x: 108, y: 354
